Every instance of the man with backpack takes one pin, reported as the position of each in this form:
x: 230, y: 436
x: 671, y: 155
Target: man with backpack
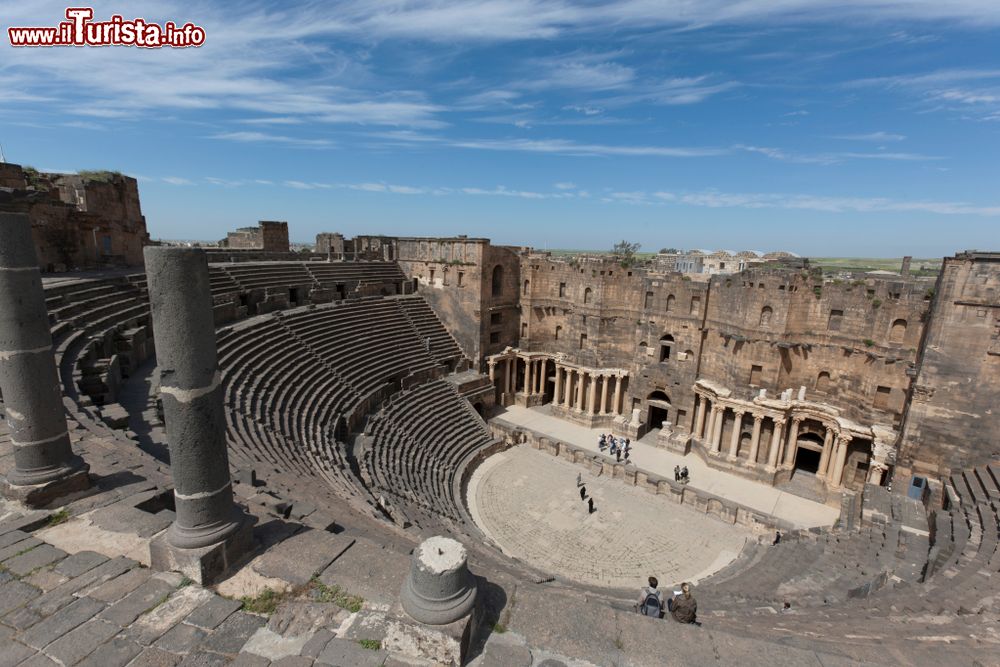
x: 650, y: 600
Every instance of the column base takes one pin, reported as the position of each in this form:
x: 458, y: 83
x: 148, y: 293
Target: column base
x: 44, y: 494
x: 204, y: 564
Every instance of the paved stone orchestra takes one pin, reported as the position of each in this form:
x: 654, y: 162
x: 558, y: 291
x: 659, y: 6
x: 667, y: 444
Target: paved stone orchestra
x: 529, y: 503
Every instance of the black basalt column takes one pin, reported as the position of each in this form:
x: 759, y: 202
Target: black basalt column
x: 191, y: 390
x: 45, y: 466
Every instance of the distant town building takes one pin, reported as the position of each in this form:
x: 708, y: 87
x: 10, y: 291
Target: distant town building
x: 714, y: 262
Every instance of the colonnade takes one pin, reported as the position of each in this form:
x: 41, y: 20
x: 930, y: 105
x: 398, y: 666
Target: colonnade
x: 590, y: 391
x: 711, y: 413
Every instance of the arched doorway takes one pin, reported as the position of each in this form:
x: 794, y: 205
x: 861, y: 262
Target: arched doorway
x: 658, y: 404
x: 809, y: 450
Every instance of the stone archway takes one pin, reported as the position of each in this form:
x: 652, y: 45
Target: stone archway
x: 809, y: 450
x: 658, y: 406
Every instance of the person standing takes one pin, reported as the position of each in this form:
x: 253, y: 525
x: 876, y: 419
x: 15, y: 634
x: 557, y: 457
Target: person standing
x: 590, y: 506
x: 583, y: 492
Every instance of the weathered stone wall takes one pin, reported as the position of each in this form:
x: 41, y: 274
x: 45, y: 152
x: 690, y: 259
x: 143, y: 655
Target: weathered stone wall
x: 848, y: 344
x: 449, y: 275
x: 500, y: 298
x: 274, y: 236
x: 268, y: 236
x: 78, y: 222
x: 953, y: 416
x: 330, y: 243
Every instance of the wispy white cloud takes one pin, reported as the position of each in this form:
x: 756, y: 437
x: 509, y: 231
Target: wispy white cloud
x: 262, y: 137
x: 567, y: 147
x: 177, y: 180
x: 565, y: 186
x: 879, y: 137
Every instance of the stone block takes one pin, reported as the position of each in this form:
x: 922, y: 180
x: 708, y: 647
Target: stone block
x: 206, y: 564
x: 43, y: 495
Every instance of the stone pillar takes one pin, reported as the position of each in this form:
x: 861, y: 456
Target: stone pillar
x: 734, y: 441
x: 838, y: 469
x: 542, y: 379
x: 592, y: 395
x: 617, y: 409
x: 493, y: 369
x: 720, y: 414
x: 210, y: 531
x: 511, y: 375
x: 558, y: 395
x: 755, y: 439
x: 529, y: 376
x: 824, y: 459
x: 793, y: 437
x: 45, y: 467
x: 580, y: 379
x: 699, y: 420
x: 605, y: 379
x: 439, y: 588
x: 772, y: 453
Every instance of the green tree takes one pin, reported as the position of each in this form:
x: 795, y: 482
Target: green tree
x: 624, y: 252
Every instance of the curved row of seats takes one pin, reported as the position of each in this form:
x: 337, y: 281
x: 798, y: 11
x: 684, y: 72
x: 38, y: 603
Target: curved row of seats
x: 245, y: 277
x: 292, y: 377
x: 418, y: 443
x: 285, y: 395
x: 947, y: 593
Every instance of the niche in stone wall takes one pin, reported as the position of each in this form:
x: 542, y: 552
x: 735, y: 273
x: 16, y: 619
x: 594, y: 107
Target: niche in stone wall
x: 765, y: 317
x: 823, y: 381
x: 897, y: 332
x: 497, y: 282
x: 670, y: 303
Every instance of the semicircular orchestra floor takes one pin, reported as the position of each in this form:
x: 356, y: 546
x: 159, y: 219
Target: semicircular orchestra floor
x: 528, y: 503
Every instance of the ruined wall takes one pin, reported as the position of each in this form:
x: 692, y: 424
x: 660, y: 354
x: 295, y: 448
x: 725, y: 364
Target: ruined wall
x: 599, y: 313
x: 852, y: 345
x: 267, y: 236
x: 274, y: 236
x: 79, y: 221
x: 330, y: 244
x: 953, y: 417
x: 448, y: 274
x: 500, y: 297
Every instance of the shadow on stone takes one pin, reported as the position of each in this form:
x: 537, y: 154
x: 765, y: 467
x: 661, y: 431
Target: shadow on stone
x: 490, y: 616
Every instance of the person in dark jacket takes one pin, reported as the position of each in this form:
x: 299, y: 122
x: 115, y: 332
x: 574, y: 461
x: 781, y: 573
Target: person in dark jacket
x: 684, y: 608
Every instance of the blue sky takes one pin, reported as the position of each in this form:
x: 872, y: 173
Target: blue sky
x: 848, y: 128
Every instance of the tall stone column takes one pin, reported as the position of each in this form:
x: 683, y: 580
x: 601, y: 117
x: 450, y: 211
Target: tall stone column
x: 45, y: 467
x: 580, y: 379
x: 772, y: 452
x: 824, y: 458
x: 541, y: 378
x: 557, y: 398
x: 493, y: 369
x: 605, y: 379
x: 699, y: 420
x: 529, y: 377
x: 592, y: 395
x: 793, y: 437
x: 210, y: 531
x: 717, y: 430
x: 617, y: 409
x: 755, y: 439
x: 838, y: 468
x: 511, y: 375
x: 734, y: 441
x: 710, y: 425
